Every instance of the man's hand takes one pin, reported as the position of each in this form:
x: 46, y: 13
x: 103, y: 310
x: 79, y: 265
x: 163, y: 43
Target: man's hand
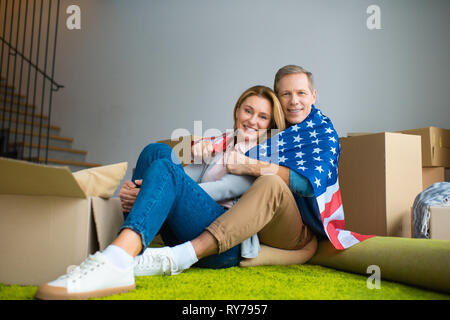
x: 202, y: 151
x: 237, y: 163
x: 128, y: 194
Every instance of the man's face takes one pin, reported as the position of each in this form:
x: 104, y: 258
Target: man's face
x: 295, y: 97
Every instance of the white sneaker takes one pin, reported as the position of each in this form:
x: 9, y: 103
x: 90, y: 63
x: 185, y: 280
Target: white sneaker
x: 95, y: 277
x: 155, y: 261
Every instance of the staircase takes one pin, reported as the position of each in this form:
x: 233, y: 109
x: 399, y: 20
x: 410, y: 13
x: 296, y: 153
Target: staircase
x: 26, y: 133
x: 27, y: 85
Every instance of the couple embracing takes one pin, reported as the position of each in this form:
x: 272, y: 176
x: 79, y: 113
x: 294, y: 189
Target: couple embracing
x: 256, y: 200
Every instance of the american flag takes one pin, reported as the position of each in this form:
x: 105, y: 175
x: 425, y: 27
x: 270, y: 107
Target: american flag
x: 311, y: 148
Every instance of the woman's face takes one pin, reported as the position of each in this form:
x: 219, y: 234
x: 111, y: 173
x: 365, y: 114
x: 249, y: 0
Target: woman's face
x: 254, y: 114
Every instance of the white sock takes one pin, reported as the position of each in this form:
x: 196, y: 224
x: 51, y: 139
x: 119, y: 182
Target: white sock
x: 118, y: 257
x: 184, y: 255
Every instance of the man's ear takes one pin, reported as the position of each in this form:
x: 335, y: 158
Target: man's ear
x: 314, y: 96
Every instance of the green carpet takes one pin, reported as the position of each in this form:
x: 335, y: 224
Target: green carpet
x: 296, y: 282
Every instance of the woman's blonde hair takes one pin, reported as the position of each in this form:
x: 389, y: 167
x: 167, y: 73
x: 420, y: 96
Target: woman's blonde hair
x: 277, y: 119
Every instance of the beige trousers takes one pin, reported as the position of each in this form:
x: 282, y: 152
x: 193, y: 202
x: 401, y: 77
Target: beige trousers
x: 269, y: 209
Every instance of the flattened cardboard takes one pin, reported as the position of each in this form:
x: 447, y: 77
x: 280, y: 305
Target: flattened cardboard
x: 380, y: 175
x: 108, y: 219
x: 439, y: 222
x: 26, y: 178
x: 403, y: 167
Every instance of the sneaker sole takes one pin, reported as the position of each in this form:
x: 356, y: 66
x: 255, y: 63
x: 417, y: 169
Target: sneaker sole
x: 46, y: 292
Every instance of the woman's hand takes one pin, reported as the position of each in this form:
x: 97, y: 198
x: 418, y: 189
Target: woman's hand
x: 202, y: 150
x: 128, y: 194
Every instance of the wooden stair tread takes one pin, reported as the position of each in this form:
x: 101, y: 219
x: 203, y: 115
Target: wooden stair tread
x: 36, y: 123
x: 22, y: 104
x: 6, y: 93
x: 43, y: 135
x: 22, y: 113
x: 68, y: 162
x: 42, y: 146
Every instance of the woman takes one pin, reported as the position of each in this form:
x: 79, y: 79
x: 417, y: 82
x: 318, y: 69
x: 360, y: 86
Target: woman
x: 170, y: 202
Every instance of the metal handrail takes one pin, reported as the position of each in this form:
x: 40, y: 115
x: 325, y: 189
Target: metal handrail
x: 58, y: 86
x: 14, y: 15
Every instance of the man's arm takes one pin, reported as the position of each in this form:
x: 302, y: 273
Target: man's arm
x: 242, y: 165
x: 239, y: 164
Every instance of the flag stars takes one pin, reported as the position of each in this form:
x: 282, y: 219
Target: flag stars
x: 280, y: 143
x: 317, y: 150
x: 301, y: 162
x: 332, y: 162
x: 297, y: 138
x: 332, y: 139
x: 333, y: 150
x: 302, y: 168
x: 317, y: 182
x: 319, y: 168
x: 328, y: 130
x: 317, y: 141
x: 295, y: 128
x: 299, y: 154
x: 309, y: 124
x: 282, y: 159
x: 313, y: 134
x: 329, y: 174
x: 318, y: 158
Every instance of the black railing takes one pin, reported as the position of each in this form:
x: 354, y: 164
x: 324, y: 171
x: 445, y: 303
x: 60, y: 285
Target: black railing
x: 28, y: 34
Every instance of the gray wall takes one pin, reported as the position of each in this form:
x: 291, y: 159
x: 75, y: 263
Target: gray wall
x: 139, y: 69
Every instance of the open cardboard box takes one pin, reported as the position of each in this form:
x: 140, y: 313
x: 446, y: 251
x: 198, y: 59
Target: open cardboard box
x: 48, y: 223
x: 435, y: 146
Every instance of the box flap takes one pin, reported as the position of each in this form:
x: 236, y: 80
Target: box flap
x: 108, y: 219
x: 26, y: 178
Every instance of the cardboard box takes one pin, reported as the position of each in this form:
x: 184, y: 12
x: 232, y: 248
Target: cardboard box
x: 439, y: 222
x: 431, y: 175
x: 380, y: 175
x: 47, y: 223
x: 435, y: 146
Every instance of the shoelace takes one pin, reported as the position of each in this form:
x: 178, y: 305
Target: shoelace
x: 155, y: 261
x: 90, y: 264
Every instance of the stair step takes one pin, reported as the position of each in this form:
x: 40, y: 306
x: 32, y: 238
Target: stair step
x: 73, y: 165
x: 21, y: 113
x: 55, y: 141
x: 54, y: 130
x: 53, y: 152
x: 16, y: 102
x: 7, y: 86
x: 11, y: 94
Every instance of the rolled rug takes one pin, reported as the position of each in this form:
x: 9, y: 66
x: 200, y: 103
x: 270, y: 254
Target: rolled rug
x: 420, y: 262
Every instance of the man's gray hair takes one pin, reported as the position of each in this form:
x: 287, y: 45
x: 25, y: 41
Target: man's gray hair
x: 292, y: 69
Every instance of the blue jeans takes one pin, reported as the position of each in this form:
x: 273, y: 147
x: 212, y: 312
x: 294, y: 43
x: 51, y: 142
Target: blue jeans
x: 174, y: 205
